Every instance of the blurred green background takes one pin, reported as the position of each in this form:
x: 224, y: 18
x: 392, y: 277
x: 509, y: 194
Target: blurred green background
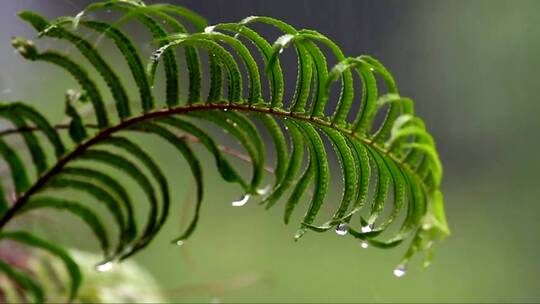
x: 472, y: 69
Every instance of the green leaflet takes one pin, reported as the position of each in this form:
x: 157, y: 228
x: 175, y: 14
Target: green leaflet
x: 24, y: 281
x: 253, y: 145
x: 31, y: 141
x: 39, y: 121
x: 255, y: 94
x: 142, y: 180
x: 16, y: 166
x: 132, y: 57
x: 194, y: 165
x: 77, y: 131
x: 71, y: 266
x: 156, y: 172
x: 349, y: 170
x: 221, y: 54
x: 84, y: 213
x: 28, y: 50
x: 381, y: 187
x: 280, y: 146
x: 301, y: 186
x: 321, y: 173
x: 100, y: 195
x: 225, y: 168
x: 276, y: 75
x: 90, y: 52
x: 114, y: 187
x: 347, y: 88
x: 293, y: 167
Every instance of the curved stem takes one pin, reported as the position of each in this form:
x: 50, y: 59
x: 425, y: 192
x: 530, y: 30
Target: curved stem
x: 105, y: 133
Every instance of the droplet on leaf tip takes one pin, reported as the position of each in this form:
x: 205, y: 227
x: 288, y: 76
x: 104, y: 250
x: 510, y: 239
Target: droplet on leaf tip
x: 242, y: 201
x: 104, y: 267
x: 364, y: 245
x: 264, y: 191
x: 341, y: 229
x: 367, y: 228
x: 400, y: 271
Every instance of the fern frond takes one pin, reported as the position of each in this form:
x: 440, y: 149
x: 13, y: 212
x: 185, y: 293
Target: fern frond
x: 397, y: 156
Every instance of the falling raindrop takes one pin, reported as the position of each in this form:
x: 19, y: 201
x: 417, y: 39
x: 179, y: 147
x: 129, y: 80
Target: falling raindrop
x: 367, y: 228
x: 400, y: 271
x: 242, y: 201
x: 104, y: 267
x: 341, y: 229
x: 364, y: 245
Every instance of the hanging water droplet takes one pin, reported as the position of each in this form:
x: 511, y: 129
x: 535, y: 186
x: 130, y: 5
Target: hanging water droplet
x: 280, y: 51
x: 367, y: 228
x: 264, y: 191
x: 364, y: 245
x: 242, y: 201
x: 341, y: 229
x: 105, y: 266
x: 400, y: 271
x: 180, y: 243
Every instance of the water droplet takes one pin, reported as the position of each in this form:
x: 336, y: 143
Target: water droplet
x: 264, y: 191
x: 372, y: 69
x: 426, y: 226
x: 104, y: 267
x: 164, y: 21
x: 236, y: 35
x: 341, y: 229
x: 364, y: 244
x: 367, y: 228
x: 108, y: 11
x: 242, y: 201
x: 209, y: 29
x: 180, y: 242
x: 280, y: 51
x: 225, y: 110
x: 400, y: 271
x: 299, y: 233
